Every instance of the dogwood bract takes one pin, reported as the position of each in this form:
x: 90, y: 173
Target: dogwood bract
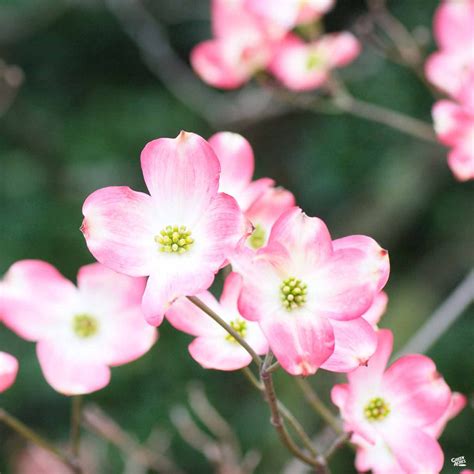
x: 395, y: 413
x: 237, y: 166
x: 454, y: 125
x: 8, y: 371
x: 301, y: 282
x: 80, y: 331
x: 290, y: 13
x: 304, y: 66
x: 451, y: 68
x: 265, y: 211
x: 242, y: 45
x: 179, y: 235
x: 214, y: 347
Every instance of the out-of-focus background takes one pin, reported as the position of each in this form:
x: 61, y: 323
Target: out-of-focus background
x: 85, y: 84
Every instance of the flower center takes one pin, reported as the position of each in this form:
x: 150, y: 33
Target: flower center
x: 174, y: 239
x: 377, y: 409
x: 314, y: 61
x: 239, y: 326
x: 257, y: 239
x: 293, y: 293
x: 85, y: 325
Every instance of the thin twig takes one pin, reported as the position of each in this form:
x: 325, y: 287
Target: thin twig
x: 317, y: 463
x: 285, y: 412
x: 76, y: 415
x: 338, y: 443
x: 99, y: 423
x: 297, y: 427
x: 376, y: 113
x: 150, y: 36
x: 440, y: 321
x: 35, y: 438
x: 252, y: 379
x: 317, y: 405
x: 403, y: 40
x: 201, y: 305
x: 212, y: 418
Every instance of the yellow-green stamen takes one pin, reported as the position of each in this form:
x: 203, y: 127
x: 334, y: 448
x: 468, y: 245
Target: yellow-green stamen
x: 377, y: 409
x: 240, y: 327
x: 293, y: 293
x: 257, y: 239
x: 174, y: 239
x: 85, y: 325
x: 314, y: 61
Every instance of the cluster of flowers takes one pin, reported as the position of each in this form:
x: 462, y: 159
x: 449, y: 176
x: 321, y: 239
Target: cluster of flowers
x: 314, y: 301
x: 252, y: 36
x: 451, y: 69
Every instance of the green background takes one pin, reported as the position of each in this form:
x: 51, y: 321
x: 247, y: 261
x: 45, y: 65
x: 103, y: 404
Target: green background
x: 87, y: 107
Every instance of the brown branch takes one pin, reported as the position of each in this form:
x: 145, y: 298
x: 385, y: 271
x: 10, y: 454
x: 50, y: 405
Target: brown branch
x: 246, y: 105
x: 98, y: 422
x: 28, y: 434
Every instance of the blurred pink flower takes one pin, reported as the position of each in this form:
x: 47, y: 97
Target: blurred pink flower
x: 301, y: 283
x: 377, y: 310
x: 265, y: 211
x: 451, y: 69
x: 213, y: 347
x: 290, y: 13
x: 454, y: 125
x: 81, y: 331
x: 237, y: 166
x: 261, y: 202
x: 396, y: 414
x: 8, y: 371
x: 304, y: 66
x: 243, y: 44
x: 179, y: 235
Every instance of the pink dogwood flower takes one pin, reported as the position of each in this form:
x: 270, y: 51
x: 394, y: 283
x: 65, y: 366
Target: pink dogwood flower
x: 179, y: 235
x: 213, y: 347
x: 378, y: 458
x: 377, y: 310
x: 80, y: 331
x: 8, y: 371
x: 265, y: 211
x: 237, y: 167
x: 242, y: 45
x: 308, y: 293
x: 301, y: 66
x: 454, y: 125
x: 451, y: 68
x: 391, y: 412
x: 290, y: 13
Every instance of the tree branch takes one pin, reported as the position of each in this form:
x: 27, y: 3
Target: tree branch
x: 440, y: 321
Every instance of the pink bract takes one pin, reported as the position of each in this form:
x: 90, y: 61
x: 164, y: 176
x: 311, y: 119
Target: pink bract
x: 451, y: 68
x: 303, y: 66
x: 237, y: 166
x: 265, y: 211
x: 377, y: 310
x: 213, y: 348
x: 80, y: 331
x: 243, y: 44
x: 395, y: 414
x: 179, y: 235
x: 289, y: 13
x: 454, y: 125
x: 8, y: 371
x: 299, y: 283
